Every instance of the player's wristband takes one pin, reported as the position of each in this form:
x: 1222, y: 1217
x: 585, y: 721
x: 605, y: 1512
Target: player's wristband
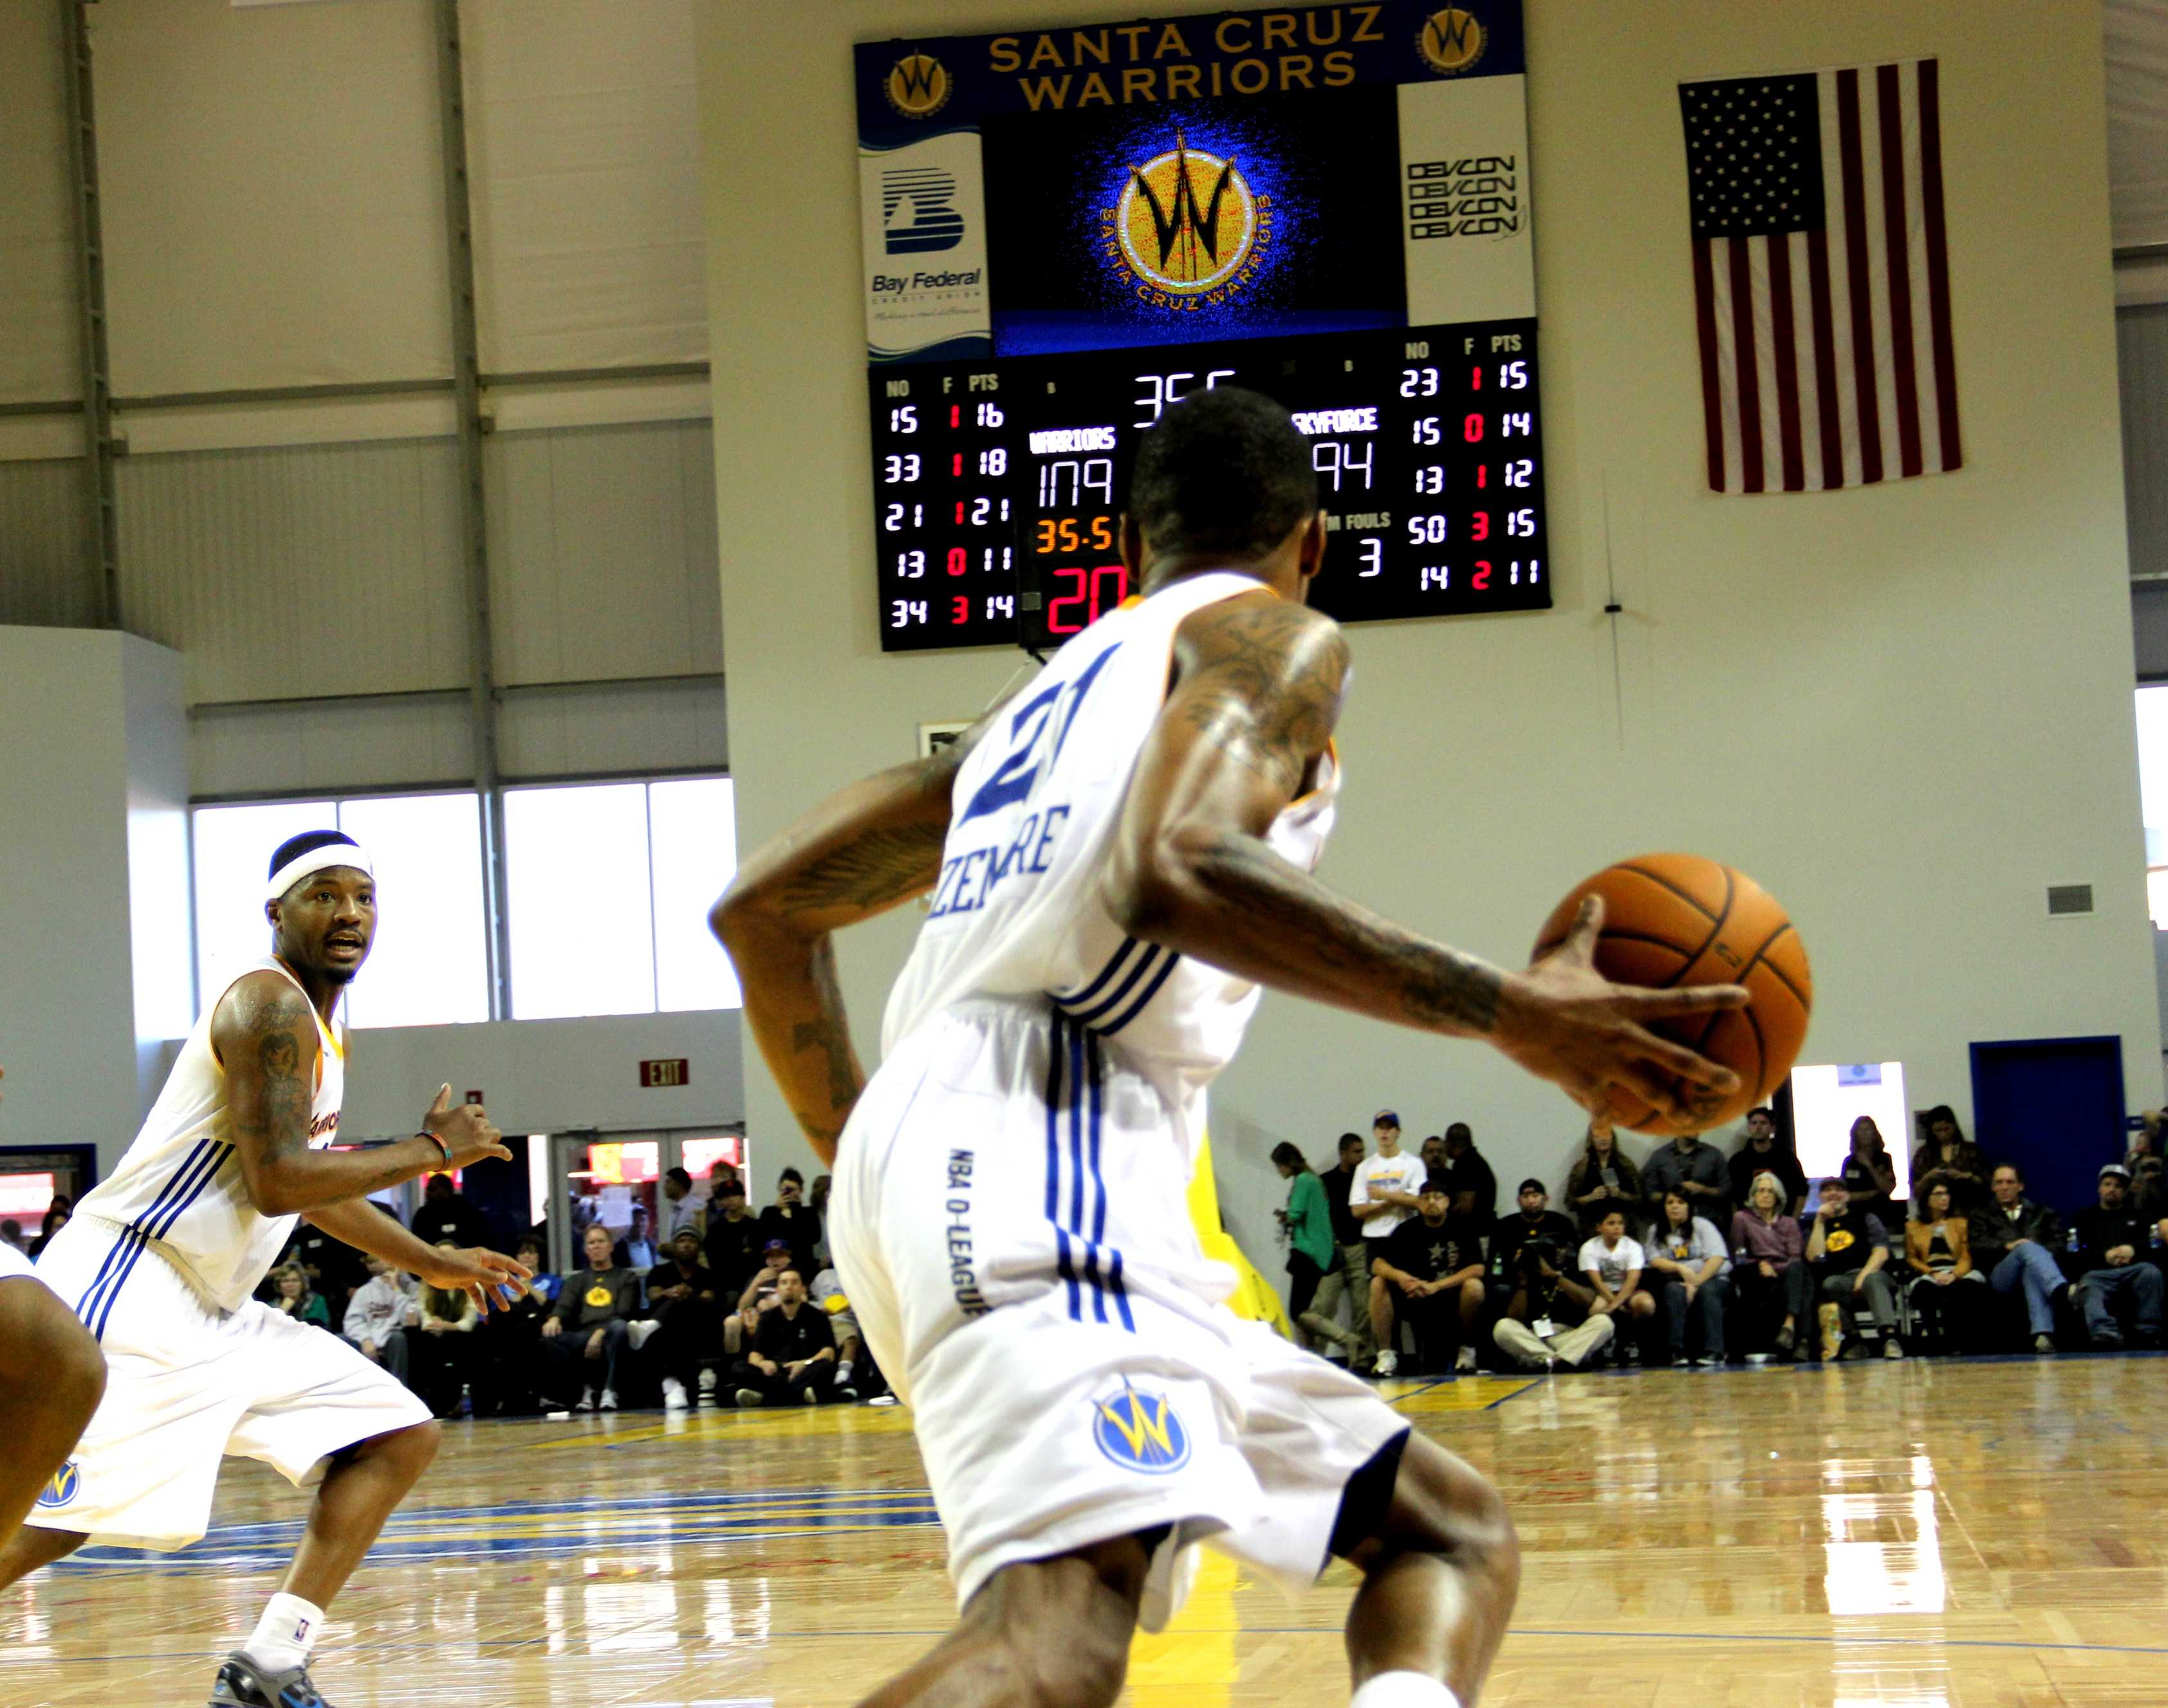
x: 426, y: 1134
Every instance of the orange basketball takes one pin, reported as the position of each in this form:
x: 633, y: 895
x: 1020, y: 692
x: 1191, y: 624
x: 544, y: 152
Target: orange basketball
x: 1672, y: 919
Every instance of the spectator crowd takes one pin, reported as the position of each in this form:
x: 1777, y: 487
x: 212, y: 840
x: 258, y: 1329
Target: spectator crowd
x: 1691, y: 1257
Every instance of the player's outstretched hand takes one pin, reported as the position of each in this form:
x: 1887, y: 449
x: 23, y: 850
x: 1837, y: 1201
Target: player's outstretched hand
x: 1565, y: 1022
x: 488, y: 1278
x: 465, y: 1130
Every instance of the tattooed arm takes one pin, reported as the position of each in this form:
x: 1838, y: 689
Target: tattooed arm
x: 1256, y: 691
x: 264, y: 1035
x: 864, y: 851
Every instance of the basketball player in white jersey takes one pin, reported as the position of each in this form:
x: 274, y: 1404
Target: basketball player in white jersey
x: 1118, y: 857
x: 162, y: 1255
x: 52, y: 1375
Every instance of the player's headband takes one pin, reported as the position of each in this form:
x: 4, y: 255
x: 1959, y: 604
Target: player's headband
x: 321, y: 854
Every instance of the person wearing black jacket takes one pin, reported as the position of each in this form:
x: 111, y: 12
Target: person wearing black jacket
x: 793, y: 1355
x: 734, y: 1241
x: 2014, y: 1242
x: 591, y: 1319
x: 681, y: 1296
x: 2113, y: 1242
x: 1517, y: 1241
x: 447, y: 1218
x: 794, y: 1221
x: 1763, y: 1152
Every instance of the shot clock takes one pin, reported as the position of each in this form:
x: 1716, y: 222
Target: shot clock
x: 1066, y: 230
x: 998, y: 486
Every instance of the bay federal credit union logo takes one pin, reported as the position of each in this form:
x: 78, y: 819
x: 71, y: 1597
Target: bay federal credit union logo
x: 66, y: 1484
x: 918, y: 211
x: 1140, y: 1431
x: 918, y: 86
x: 1188, y: 227
x: 1451, y: 40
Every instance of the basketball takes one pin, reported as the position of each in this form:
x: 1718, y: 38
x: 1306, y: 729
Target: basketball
x: 1673, y: 919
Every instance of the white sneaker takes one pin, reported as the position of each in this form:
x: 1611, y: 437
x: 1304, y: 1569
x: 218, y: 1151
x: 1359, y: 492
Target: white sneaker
x: 587, y: 1401
x: 707, y: 1381
x: 883, y: 1399
x: 609, y: 1401
x: 1890, y: 1348
x: 808, y: 1398
x: 673, y: 1394
x: 1465, y: 1362
x: 749, y: 1397
x: 1388, y: 1362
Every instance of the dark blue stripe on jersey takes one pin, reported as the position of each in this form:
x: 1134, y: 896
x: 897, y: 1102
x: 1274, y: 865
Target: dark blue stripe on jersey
x: 1092, y: 1275
x: 1068, y: 1273
x: 204, y: 1177
x: 1053, y: 1120
x: 201, y: 1169
x: 86, y: 1305
x: 141, y: 1244
x: 1143, y: 1001
x: 1106, y: 972
x: 1121, y: 1294
x: 1098, y: 1180
x: 1144, y: 963
x: 1076, y: 1130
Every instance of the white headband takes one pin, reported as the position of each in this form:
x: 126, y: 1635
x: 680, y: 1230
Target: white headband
x: 316, y: 860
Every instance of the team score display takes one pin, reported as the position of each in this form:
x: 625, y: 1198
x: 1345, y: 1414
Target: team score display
x: 1075, y: 534
x: 1081, y: 597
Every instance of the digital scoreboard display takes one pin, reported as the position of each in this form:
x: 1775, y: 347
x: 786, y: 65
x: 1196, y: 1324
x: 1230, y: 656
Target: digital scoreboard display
x: 1066, y: 230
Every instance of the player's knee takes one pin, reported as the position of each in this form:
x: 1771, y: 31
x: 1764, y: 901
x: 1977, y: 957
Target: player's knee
x: 76, y: 1371
x: 1441, y: 1506
x: 411, y: 1449
x: 1085, y: 1670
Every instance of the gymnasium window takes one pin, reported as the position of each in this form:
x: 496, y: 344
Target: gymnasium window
x: 2153, y: 794
x: 429, y: 965
x: 608, y: 886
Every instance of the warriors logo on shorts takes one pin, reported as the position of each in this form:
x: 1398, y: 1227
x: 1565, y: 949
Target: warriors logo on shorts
x: 66, y: 1484
x: 1140, y: 1432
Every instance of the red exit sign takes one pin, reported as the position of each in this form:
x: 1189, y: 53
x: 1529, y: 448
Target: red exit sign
x: 669, y: 1070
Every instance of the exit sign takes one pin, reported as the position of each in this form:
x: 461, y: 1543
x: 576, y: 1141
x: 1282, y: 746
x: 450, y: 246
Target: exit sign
x: 670, y: 1070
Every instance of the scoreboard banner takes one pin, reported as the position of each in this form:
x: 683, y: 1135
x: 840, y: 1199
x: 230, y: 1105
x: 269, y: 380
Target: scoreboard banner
x: 1064, y: 230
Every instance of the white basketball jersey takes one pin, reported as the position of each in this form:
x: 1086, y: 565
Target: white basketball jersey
x: 178, y: 1191
x: 1017, y: 912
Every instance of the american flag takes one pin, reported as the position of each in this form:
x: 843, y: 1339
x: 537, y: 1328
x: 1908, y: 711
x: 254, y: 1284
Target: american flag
x: 1821, y: 278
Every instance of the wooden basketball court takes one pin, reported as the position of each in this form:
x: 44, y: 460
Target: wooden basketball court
x: 1974, y: 1534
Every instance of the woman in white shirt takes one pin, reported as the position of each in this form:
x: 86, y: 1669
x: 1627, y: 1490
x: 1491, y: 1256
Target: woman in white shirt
x: 1691, y: 1268
x: 1612, y: 1264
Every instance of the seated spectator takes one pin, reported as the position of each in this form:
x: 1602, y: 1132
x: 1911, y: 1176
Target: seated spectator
x: 1695, y: 1166
x: 1603, y: 1176
x: 442, y: 1346
x: 1849, y: 1251
x: 637, y: 1251
x: 333, y: 1267
x: 1946, y: 1154
x: 681, y: 1210
x: 1761, y: 1152
x: 794, y: 1222
x: 857, y: 1376
x: 11, y: 1234
x: 681, y: 1297
x: 1547, y: 1321
x: 2114, y: 1284
x: 56, y: 1218
x: 1769, y: 1269
x: 757, y: 1297
x: 1946, y: 1290
x: 445, y: 1217
x: 792, y: 1360
x: 1612, y: 1265
x: 733, y: 1241
x: 1690, y: 1273
x: 2014, y: 1243
x: 508, y: 1348
x: 1307, y: 1221
x: 295, y: 1299
x: 1429, y: 1274
x: 1474, y: 1185
x: 1515, y: 1242
x: 379, y: 1316
x: 584, y: 1334
x: 816, y: 1197
x: 1868, y: 1173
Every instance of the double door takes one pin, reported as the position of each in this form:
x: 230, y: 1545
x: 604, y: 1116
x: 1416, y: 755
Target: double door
x: 606, y: 1178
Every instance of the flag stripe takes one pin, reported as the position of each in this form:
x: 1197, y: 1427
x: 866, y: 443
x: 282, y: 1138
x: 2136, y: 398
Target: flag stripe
x: 1915, y: 276
x: 1837, y: 235
x: 1749, y: 378
x: 1824, y: 361
x: 1938, y: 260
x: 1897, y: 248
x: 1711, y: 389
x: 1857, y: 288
x: 1766, y: 364
x: 1727, y: 363
x: 1785, y: 338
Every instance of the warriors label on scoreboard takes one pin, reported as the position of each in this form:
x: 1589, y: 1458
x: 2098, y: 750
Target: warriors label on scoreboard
x: 1065, y: 230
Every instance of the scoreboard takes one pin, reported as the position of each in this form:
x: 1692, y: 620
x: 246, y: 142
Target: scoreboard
x: 1068, y: 231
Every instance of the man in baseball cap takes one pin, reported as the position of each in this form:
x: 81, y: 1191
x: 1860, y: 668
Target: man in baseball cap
x: 2114, y: 1284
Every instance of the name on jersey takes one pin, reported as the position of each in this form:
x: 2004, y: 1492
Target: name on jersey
x: 324, y: 1124
x: 969, y: 880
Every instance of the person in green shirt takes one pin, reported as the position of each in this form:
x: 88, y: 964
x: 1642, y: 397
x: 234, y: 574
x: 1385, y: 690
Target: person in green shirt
x: 295, y: 1299
x: 1309, y: 1225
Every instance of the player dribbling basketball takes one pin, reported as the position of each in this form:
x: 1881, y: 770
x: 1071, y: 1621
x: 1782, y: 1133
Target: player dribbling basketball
x: 1118, y: 857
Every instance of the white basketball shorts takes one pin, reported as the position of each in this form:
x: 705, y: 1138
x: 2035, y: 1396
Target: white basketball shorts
x: 1010, y: 1219
x: 187, y: 1383
x: 13, y: 1263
